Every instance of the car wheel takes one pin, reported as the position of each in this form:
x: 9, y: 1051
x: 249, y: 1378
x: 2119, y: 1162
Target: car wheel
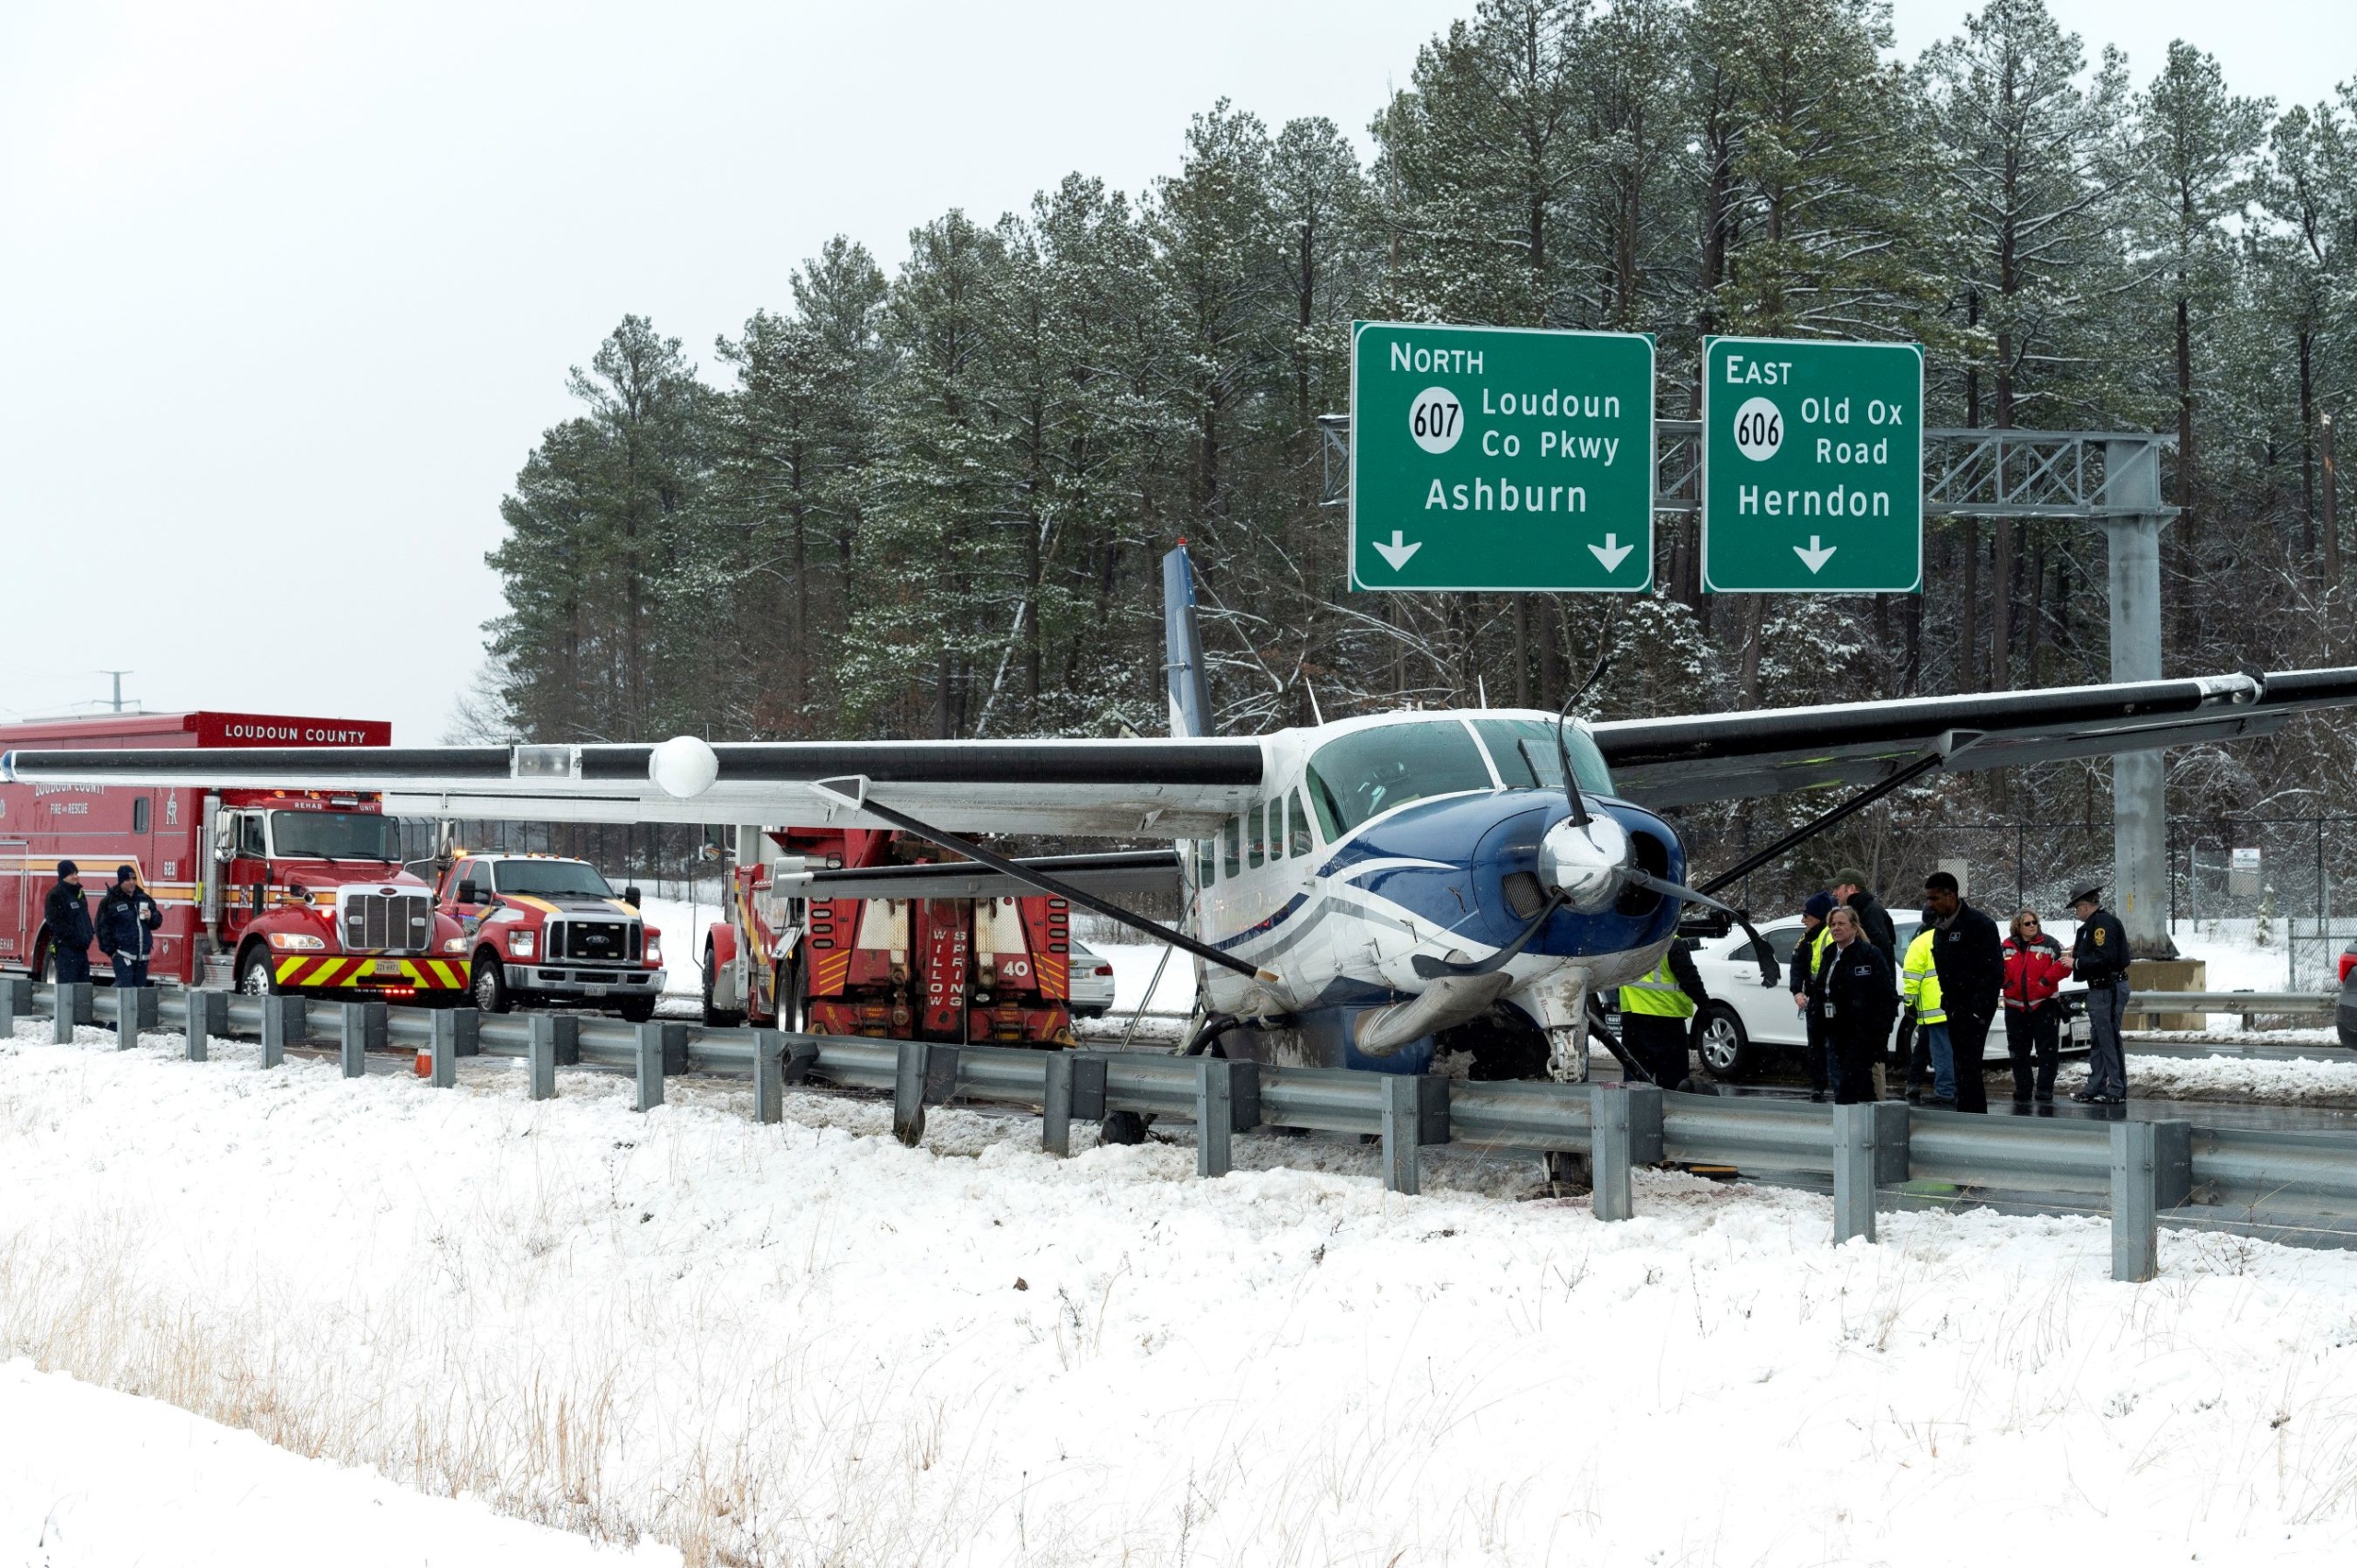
x: 715, y: 1017
x: 254, y: 976
x: 489, y: 983
x: 1725, y: 1049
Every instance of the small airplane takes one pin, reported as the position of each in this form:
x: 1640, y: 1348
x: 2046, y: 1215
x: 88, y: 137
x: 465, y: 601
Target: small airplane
x: 1389, y: 891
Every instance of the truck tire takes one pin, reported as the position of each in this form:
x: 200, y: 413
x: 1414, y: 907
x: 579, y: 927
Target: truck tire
x: 793, y: 1017
x: 255, y: 977
x: 488, y: 985
x: 1725, y: 1049
x: 636, y: 1009
x: 715, y: 1017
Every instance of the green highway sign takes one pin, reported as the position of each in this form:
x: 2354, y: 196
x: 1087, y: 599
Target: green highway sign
x: 1812, y: 466
x: 1501, y: 459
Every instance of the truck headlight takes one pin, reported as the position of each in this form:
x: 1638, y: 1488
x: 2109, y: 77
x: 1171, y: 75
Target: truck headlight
x: 520, y: 943
x: 654, y: 949
x: 296, y: 941
x: 454, y: 944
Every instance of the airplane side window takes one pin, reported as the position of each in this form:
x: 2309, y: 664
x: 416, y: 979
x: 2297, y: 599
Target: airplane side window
x: 1206, y: 858
x: 1255, y: 849
x: 1234, y: 848
x: 1301, y: 841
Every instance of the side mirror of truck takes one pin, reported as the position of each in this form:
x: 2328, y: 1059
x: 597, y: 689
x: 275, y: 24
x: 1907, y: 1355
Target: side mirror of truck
x: 467, y: 892
x: 630, y: 897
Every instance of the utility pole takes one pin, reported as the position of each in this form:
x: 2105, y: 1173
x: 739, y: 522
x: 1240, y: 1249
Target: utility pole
x: 118, y: 675
x: 2131, y: 526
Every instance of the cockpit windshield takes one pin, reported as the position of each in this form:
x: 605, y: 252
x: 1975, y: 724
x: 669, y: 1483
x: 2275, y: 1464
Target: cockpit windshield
x: 1523, y: 750
x: 1359, y: 777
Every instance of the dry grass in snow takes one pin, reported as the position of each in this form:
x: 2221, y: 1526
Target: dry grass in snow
x: 809, y: 1346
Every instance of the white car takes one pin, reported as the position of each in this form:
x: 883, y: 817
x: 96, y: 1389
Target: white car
x: 1747, y: 1022
x: 1092, y: 982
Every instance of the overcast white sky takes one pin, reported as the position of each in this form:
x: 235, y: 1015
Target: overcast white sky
x: 293, y: 287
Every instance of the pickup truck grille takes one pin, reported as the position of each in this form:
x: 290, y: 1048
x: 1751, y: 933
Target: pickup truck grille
x: 595, y: 941
x: 374, y: 923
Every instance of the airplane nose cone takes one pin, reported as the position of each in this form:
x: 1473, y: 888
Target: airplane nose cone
x: 1585, y: 862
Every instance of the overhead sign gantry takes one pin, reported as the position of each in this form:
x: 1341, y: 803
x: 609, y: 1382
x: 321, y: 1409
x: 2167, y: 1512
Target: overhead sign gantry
x: 1499, y: 459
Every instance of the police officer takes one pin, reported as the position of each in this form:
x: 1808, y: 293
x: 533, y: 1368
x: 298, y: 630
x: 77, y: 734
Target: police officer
x: 66, y: 913
x: 1657, y: 1015
x: 2099, y: 957
x: 1857, y: 994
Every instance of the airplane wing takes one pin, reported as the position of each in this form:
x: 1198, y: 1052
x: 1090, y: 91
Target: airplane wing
x: 1185, y: 787
x: 1148, y: 787
x: 1682, y: 762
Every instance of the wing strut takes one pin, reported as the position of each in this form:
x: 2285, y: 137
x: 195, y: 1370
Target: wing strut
x: 852, y: 794
x: 1856, y: 802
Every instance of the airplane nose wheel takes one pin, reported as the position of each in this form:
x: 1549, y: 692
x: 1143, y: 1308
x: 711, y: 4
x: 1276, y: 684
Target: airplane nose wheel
x: 1122, y: 1127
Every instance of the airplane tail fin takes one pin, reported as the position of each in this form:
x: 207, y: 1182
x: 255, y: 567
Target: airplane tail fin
x: 1182, y: 639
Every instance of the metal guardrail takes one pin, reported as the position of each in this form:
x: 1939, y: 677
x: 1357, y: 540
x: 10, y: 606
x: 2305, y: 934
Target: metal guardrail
x: 2232, y: 1002
x: 2297, y: 1186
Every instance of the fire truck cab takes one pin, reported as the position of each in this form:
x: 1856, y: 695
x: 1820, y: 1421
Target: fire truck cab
x: 546, y: 930
x: 273, y: 890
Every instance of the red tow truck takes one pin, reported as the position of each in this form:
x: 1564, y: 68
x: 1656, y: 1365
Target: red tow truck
x: 549, y: 931
x: 301, y: 891
x: 862, y: 931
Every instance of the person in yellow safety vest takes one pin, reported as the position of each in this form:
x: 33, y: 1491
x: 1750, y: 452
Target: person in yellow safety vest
x: 1806, y: 956
x: 1657, y: 1015
x: 1920, y: 983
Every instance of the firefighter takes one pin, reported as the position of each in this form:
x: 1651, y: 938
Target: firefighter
x: 1920, y: 983
x: 2099, y: 957
x: 67, y: 915
x: 1657, y: 1015
x: 127, y: 920
x: 1857, y: 994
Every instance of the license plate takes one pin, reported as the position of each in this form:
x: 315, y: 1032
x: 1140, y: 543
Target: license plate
x: 386, y: 966
x: 594, y: 990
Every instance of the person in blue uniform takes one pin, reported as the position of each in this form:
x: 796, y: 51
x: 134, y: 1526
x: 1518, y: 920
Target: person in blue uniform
x: 2099, y: 957
x: 66, y: 913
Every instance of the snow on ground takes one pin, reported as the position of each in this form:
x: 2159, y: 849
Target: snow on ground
x: 91, y: 1477
x: 808, y: 1343
x: 2300, y: 1081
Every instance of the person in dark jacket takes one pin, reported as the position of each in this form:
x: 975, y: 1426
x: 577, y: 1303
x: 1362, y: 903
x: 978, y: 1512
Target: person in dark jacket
x: 2099, y: 957
x: 126, y: 925
x: 1874, y: 921
x: 67, y: 915
x: 1857, y: 995
x: 2035, y: 967
x: 1969, y: 957
x: 1657, y: 1015
x: 1813, y: 942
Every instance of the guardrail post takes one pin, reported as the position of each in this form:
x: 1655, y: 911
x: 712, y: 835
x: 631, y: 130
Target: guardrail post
x: 2151, y: 1169
x: 769, y: 1076
x: 539, y: 1052
x: 651, y: 1041
x: 468, y: 1023
x: 76, y: 1005
x: 283, y: 1021
x: 1856, y: 1163
x: 908, y: 1093
x: 352, y: 1036
x: 1608, y: 1139
x: 16, y: 1002
x: 208, y: 1015
x: 1415, y: 1113
x: 674, y: 1049
x: 136, y: 1009
x: 1076, y: 1092
x: 564, y: 1028
x: 441, y: 1024
x: 1215, y: 1115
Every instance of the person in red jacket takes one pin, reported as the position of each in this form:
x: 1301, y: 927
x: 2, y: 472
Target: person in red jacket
x: 2035, y: 969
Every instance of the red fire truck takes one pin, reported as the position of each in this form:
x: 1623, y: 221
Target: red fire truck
x: 294, y: 890
x: 548, y: 931
x: 854, y: 932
